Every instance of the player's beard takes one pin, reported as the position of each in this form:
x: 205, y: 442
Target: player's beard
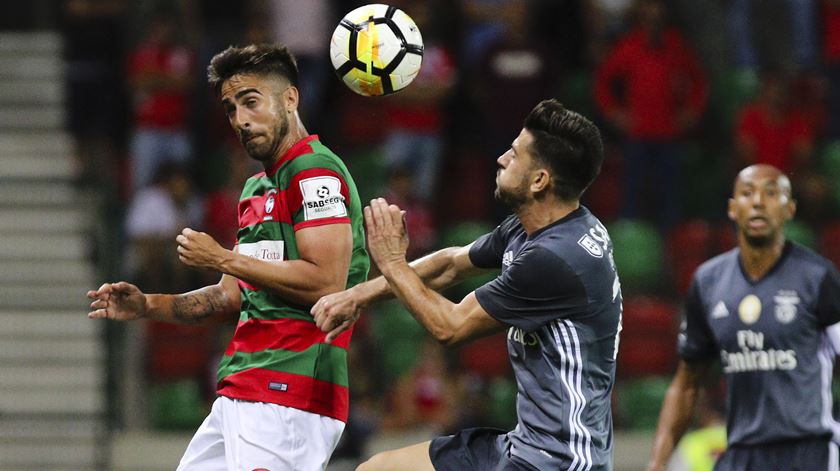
x: 759, y: 241
x: 266, y: 151
x: 512, y: 198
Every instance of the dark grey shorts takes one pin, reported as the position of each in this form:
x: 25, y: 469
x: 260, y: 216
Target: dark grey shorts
x: 800, y: 455
x: 483, y: 449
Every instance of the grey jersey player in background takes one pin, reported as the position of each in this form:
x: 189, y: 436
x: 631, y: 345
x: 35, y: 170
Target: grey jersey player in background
x: 558, y: 297
x: 768, y: 312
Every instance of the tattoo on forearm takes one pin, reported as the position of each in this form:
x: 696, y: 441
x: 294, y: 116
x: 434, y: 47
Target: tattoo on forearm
x: 193, y: 308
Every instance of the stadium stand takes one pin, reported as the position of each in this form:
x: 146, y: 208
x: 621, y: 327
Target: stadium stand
x: 52, y: 362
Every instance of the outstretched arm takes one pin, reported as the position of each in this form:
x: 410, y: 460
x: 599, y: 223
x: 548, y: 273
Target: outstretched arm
x: 123, y: 301
x: 677, y: 412
x: 448, y: 322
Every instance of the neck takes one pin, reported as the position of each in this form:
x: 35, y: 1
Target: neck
x: 296, y: 132
x: 535, y: 215
x: 757, y: 261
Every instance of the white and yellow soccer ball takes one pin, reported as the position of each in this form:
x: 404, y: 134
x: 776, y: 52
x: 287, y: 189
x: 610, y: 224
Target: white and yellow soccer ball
x: 376, y: 50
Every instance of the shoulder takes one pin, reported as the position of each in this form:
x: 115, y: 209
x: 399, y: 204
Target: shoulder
x: 510, y: 225
x: 809, y: 261
x: 712, y: 269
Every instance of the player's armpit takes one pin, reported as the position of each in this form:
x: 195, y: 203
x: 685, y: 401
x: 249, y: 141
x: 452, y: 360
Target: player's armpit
x: 472, y: 322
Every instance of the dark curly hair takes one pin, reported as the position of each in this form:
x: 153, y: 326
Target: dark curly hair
x: 264, y: 59
x: 569, y: 144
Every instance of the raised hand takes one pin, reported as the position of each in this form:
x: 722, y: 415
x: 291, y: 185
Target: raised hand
x: 117, y: 301
x: 386, y: 232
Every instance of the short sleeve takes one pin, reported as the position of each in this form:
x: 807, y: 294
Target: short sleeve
x: 318, y: 196
x: 536, y: 288
x: 487, y: 251
x: 828, y: 300
x: 695, y: 341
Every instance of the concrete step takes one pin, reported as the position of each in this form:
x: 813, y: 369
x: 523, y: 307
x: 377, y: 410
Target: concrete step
x: 35, y: 143
x: 69, y: 272
x: 35, y: 351
x: 50, y: 429
x: 84, y: 378
x: 37, y: 67
x: 48, y: 324
x: 44, y: 220
x: 49, y: 117
x: 31, y: 92
x: 31, y: 43
x: 49, y: 457
x: 45, y: 297
x: 43, y: 247
x: 17, y: 193
x: 41, y: 168
x: 51, y: 401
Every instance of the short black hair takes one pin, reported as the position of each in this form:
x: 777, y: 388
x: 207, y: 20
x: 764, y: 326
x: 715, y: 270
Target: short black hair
x: 261, y: 59
x: 569, y: 144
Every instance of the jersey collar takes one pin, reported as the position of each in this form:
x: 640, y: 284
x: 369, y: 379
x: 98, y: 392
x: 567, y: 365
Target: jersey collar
x: 298, y: 148
x: 785, y: 252
x: 579, y: 212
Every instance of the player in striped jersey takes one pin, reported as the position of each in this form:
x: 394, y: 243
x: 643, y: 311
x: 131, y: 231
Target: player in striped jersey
x: 558, y: 297
x: 283, y: 398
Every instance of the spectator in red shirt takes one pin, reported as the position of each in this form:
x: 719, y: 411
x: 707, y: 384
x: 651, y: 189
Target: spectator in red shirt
x: 663, y: 94
x: 160, y: 75
x: 770, y: 131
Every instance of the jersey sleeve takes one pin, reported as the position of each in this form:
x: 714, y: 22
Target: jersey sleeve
x: 536, y: 288
x: 695, y: 341
x: 828, y: 300
x: 487, y: 251
x: 317, y: 196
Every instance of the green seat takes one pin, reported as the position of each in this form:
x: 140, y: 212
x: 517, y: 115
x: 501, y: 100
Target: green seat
x: 830, y: 165
x: 177, y: 406
x: 730, y: 91
x: 369, y: 172
x: 460, y: 235
x: 638, y: 402
x: 502, y: 403
x: 638, y: 250
x: 576, y: 92
x: 400, y: 338
x: 801, y: 233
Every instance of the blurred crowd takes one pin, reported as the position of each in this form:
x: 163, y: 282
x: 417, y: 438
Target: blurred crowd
x: 685, y: 93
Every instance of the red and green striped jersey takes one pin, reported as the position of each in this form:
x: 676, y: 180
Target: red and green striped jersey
x: 277, y: 353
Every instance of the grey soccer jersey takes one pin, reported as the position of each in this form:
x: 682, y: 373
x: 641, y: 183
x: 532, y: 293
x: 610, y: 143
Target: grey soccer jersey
x: 772, y: 340
x: 560, y: 294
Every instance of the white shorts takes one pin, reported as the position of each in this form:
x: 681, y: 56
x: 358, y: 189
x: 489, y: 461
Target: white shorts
x: 247, y: 436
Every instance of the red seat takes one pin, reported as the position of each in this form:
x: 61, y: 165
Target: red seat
x: 487, y: 357
x: 604, y: 196
x: 177, y: 351
x: 726, y: 238
x: 691, y: 239
x: 829, y: 243
x: 648, y: 337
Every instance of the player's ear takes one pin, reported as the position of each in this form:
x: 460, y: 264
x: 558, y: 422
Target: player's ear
x: 790, y: 209
x: 291, y: 98
x: 730, y: 209
x: 540, y: 180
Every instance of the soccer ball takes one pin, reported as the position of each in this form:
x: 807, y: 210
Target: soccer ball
x: 376, y: 50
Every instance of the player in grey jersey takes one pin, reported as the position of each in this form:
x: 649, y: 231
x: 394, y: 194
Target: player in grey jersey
x: 558, y: 297
x: 768, y: 310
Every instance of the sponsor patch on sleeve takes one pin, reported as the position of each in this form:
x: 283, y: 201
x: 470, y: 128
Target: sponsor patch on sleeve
x: 322, y: 198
